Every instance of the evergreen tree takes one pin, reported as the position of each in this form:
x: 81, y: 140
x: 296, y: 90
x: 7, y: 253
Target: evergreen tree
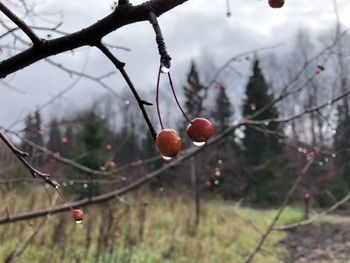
x: 90, y: 151
x: 93, y: 137
x: 28, y: 135
x: 54, y: 137
x: 261, y: 149
x: 194, y: 93
x: 340, y: 186
x: 33, y: 132
x: 222, y: 112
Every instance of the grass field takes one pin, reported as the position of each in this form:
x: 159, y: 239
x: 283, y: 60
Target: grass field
x: 133, y: 232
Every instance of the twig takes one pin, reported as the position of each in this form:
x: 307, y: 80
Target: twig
x: 17, y: 252
x: 280, y: 211
x: 120, y: 66
x: 21, y: 24
x: 316, y: 217
x: 164, y: 56
x: 21, y: 156
x: 120, y: 17
x: 87, y: 169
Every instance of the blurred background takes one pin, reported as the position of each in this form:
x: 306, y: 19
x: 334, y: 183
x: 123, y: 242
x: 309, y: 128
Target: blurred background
x: 233, y: 62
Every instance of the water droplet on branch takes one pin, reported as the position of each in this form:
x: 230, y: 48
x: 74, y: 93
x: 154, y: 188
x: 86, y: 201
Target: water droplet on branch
x: 164, y: 69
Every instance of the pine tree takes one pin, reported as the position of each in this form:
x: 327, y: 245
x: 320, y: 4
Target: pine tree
x: 261, y: 149
x: 222, y: 113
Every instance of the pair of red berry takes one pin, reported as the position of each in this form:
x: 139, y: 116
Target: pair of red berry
x: 276, y: 3
x: 169, y: 143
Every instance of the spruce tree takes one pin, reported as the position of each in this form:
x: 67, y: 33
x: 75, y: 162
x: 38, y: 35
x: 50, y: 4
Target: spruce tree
x: 91, y: 151
x: 93, y: 137
x: 28, y: 135
x: 54, y: 137
x: 262, y: 150
x: 339, y: 187
x: 222, y: 113
x: 194, y: 92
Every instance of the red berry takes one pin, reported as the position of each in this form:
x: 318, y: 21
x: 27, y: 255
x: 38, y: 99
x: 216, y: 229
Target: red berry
x: 111, y: 164
x: 40, y: 133
x: 168, y: 143
x: 78, y: 214
x: 64, y: 140
x: 200, y: 130
x: 276, y: 3
x: 117, y: 235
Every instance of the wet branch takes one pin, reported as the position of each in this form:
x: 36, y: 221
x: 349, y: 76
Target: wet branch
x: 120, y: 66
x: 21, y: 24
x: 21, y: 156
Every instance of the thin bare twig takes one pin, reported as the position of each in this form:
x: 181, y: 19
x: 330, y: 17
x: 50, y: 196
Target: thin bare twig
x: 21, y: 156
x: 21, y: 24
x: 315, y: 217
x: 280, y: 211
x: 18, y: 251
x: 120, y: 66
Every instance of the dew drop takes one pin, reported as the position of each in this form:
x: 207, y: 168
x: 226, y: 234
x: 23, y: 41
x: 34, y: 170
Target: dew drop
x: 304, y: 151
x: 300, y: 149
x: 166, y: 158
x: 164, y: 69
x: 267, y: 123
x: 326, y: 160
x: 64, y: 184
x: 85, y: 185
x: 334, y: 155
x: 126, y: 102
x: 220, y: 161
x: 253, y: 106
x: 198, y: 144
x: 71, y: 182
x: 216, y: 182
x: 320, y: 163
x: 334, y: 131
x: 78, y: 222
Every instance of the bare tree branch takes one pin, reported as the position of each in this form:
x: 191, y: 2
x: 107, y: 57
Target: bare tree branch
x: 121, y: 16
x: 280, y: 211
x: 120, y: 66
x: 21, y: 24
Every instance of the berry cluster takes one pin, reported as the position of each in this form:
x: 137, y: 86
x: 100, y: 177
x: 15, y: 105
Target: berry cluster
x: 168, y: 141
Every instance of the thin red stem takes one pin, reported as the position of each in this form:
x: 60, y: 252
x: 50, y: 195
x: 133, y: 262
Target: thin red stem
x: 157, y: 99
x: 177, y: 101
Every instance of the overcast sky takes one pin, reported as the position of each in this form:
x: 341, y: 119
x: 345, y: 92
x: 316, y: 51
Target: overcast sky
x: 194, y: 30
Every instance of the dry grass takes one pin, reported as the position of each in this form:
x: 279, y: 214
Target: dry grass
x: 163, y: 231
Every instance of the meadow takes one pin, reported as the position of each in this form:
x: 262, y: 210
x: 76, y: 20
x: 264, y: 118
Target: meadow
x: 143, y: 227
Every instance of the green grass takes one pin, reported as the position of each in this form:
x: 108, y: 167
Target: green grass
x: 225, y: 233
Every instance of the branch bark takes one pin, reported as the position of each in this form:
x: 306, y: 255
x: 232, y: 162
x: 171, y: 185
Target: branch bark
x: 21, y: 24
x: 121, y: 16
